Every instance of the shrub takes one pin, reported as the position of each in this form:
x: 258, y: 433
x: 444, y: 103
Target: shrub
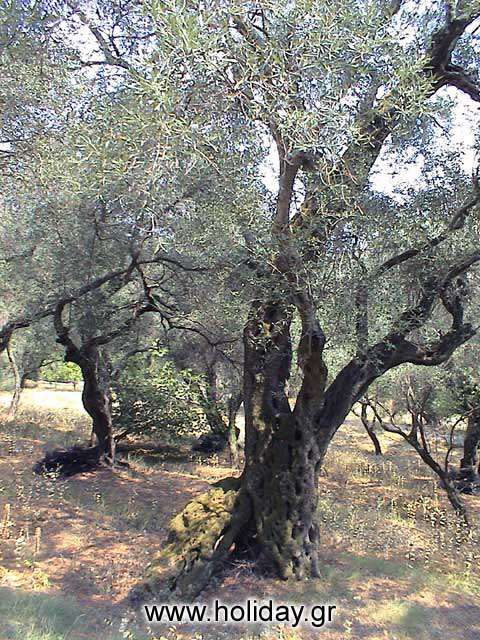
x: 154, y: 397
x: 61, y: 372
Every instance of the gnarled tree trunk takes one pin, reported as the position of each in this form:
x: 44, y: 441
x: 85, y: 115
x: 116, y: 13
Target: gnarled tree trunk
x: 469, y: 465
x: 96, y: 394
x: 97, y: 401
x: 283, y: 451
x: 273, y: 508
x: 274, y: 502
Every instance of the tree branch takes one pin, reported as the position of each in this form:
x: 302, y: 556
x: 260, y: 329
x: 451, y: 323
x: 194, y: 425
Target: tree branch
x: 456, y: 223
x: 394, y: 349
x: 111, y: 58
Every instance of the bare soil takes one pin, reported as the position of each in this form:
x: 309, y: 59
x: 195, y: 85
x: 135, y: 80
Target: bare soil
x: 397, y: 563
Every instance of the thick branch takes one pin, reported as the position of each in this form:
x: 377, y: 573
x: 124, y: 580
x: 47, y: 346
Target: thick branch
x: 395, y: 349
x: 457, y: 77
x: 438, y: 66
x: 456, y: 223
x: 73, y: 352
x: 47, y: 309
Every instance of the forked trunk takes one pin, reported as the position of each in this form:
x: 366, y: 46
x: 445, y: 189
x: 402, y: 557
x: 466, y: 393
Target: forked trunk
x: 271, y: 509
x: 283, y: 450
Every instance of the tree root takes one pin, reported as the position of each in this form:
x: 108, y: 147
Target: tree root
x: 466, y: 480
x: 68, y: 462
x: 468, y: 486
x: 200, y: 539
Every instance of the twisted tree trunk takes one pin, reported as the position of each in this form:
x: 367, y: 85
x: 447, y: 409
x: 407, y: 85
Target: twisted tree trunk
x: 283, y: 449
x: 97, y: 402
x: 271, y: 508
x: 469, y: 464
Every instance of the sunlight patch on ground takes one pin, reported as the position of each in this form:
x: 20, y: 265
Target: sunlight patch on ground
x: 394, y: 559
x: 47, y: 399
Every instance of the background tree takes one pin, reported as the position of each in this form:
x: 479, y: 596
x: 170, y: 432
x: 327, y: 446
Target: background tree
x: 28, y: 352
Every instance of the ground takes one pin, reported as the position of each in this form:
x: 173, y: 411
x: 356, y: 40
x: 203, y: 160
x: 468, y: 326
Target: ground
x: 396, y: 562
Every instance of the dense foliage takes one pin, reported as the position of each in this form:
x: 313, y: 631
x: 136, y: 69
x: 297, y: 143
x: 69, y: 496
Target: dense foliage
x: 153, y: 399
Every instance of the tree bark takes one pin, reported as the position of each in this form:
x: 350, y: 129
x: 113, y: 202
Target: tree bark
x: 96, y: 400
x: 445, y: 481
x: 274, y: 503
x: 469, y: 465
x: 19, y: 385
x: 96, y: 394
x: 283, y: 451
x: 281, y: 481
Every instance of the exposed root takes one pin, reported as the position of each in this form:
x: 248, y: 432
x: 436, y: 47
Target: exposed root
x: 469, y: 486
x: 69, y: 462
x: 201, y: 537
x: 466, y: 480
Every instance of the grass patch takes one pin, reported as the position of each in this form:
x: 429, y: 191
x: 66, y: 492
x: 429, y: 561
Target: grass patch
x: 405, y: 619
x: 41, y: 616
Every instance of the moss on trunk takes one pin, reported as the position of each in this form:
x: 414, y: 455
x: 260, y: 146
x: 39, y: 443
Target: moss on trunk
x: 199, y: 540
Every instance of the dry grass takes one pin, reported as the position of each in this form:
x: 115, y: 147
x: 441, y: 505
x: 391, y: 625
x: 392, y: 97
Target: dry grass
x: 396, y: 562
x: 51, y: 400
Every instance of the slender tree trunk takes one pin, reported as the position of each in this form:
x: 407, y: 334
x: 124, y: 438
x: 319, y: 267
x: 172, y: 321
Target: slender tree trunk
x: 19, y: 385
x: 211, y: 408
x: 234, y: 404
x: 370, y: 430
x: 216, y: 440
x: 445, y: 481
x: 14, y: 403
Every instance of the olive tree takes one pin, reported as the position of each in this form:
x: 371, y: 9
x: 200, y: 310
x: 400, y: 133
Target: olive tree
x: 334, y: 88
